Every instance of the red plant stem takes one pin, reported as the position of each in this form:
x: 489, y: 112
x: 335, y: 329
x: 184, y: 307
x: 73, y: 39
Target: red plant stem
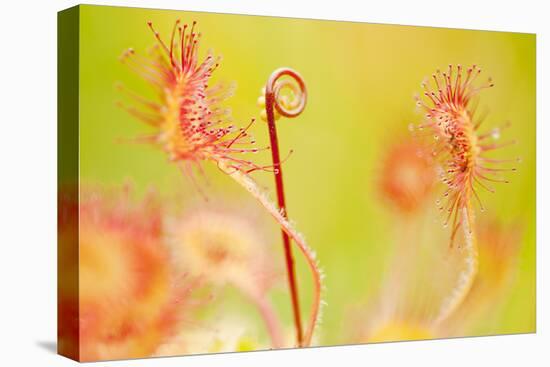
x: 278, y: 173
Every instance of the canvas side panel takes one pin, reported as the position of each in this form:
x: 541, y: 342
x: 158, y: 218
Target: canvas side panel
x: 67, y: 184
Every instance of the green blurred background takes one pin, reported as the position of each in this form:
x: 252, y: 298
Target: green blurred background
x: 361, y: 80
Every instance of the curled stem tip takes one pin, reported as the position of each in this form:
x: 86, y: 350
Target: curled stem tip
x: 274, y: 101
x: 274, y: 86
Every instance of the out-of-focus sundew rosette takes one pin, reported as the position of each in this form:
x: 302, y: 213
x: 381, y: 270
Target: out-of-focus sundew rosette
x: 223, y: 245
x: 130, y: 299
x: 408, y: 175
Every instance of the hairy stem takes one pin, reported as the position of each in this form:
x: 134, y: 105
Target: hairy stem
x: 467, y: 276
x: 252, y: 187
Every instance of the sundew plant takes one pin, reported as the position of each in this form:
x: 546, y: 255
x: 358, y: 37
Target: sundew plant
x: 216, y: 193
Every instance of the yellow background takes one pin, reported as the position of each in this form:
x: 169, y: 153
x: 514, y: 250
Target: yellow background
x: 361, y: 80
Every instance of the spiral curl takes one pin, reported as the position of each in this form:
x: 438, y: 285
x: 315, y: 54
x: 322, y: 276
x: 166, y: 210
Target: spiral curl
x: 274, y: 86
x: 277, y: 105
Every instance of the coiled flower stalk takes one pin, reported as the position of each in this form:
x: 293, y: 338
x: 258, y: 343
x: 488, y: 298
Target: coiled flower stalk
x: 277, y: 105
